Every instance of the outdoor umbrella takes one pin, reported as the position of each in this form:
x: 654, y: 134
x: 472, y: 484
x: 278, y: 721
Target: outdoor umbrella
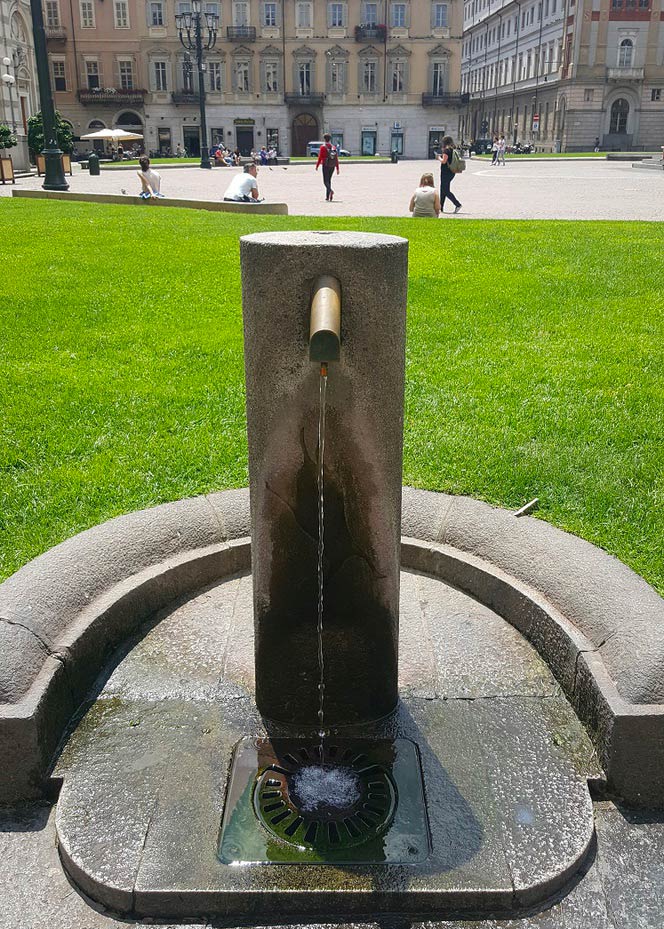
x: 113, y: 135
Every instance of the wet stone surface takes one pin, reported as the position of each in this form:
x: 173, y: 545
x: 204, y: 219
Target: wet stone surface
x: 504, y: 761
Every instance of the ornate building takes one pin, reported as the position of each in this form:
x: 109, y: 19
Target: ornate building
x: 379, y: 75
x: 18, y: 100
x: 563, y: 73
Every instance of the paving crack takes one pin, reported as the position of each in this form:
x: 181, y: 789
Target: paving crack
x: 139, y: 865
x: 44, y: 645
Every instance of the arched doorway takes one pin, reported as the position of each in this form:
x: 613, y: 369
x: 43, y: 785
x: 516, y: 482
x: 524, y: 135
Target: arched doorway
x: 305, y: 129
x: 619, y: 114
x: 129, y: 121
x: 98, y: 145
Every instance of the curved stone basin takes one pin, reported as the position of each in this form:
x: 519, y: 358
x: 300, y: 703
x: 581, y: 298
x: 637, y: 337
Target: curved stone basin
x: 505, y: 764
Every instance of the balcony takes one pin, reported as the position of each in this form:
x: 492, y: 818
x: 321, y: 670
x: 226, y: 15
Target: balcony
x: 241, y: 33
x: 309, y: 99
x: 445, y: 99
x: 370, y: 33
x: 55, y: 34
x: 110, y: 96
x: 185, y: 96
x: 625, y: 74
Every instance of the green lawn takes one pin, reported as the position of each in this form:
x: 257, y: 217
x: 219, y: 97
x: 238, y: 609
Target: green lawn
x: 534, y: 368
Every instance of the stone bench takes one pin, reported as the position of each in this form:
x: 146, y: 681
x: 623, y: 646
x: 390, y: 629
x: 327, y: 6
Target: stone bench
x: 598, y: 625
x: 215, y: 206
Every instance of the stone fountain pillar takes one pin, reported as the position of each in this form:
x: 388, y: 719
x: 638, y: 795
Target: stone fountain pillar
x: 363, y: 463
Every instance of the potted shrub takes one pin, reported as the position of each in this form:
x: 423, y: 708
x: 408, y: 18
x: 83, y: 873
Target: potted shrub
x: 7, y: 141
x: 36, y: 141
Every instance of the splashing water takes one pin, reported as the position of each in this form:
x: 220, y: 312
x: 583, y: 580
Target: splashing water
x: 321, y: 553
x: 318, y: 786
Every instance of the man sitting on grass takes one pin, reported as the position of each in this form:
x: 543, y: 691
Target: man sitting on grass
x: 244, y: 187
x: 150, y: 180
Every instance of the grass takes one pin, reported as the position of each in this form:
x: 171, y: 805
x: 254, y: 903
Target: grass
x: 534, y: 368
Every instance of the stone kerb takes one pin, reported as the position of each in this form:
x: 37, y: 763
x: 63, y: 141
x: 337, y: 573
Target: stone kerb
x: 215, y: 206
x: 598, y: 625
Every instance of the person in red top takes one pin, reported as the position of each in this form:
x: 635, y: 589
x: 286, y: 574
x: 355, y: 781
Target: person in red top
x: 328, y: 157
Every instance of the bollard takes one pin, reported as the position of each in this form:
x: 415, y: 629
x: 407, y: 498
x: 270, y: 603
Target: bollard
x: 281, y: 273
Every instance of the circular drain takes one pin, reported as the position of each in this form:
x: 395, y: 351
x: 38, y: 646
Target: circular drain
x: 328, y: 828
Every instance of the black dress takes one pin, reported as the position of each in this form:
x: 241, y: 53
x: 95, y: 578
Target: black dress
x: 446, y: 178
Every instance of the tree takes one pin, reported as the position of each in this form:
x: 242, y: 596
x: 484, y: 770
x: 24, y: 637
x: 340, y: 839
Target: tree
x: 36, y: 134
x: 7, y: 137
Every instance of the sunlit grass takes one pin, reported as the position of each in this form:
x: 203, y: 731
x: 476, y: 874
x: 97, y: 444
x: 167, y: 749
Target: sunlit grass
x: 534, y: 368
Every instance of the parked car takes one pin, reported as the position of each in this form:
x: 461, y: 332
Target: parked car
x: 314, y: 147
x: 481, y: 146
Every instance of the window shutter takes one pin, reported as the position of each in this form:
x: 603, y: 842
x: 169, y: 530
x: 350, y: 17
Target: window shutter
x: 406, y: 77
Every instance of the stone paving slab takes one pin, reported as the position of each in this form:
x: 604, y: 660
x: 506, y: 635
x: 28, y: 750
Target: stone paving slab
x: 539, y: 189
x: 627, y: 871
x: 504, y: 766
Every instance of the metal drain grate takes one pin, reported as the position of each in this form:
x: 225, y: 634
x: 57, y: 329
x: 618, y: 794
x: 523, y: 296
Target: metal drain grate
x: 266, y: 821
x: 330, y: 828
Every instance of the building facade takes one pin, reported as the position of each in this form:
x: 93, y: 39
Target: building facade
x: 562, y: 74
x: 19, y: 100
x: 379, y: 75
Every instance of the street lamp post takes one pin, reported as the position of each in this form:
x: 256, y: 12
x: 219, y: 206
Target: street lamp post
x: 9, y: 80
x: 54, y: 175
x: 190, y: 28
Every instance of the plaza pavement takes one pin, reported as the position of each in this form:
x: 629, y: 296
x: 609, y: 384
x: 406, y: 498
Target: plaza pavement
x: 524, y: 189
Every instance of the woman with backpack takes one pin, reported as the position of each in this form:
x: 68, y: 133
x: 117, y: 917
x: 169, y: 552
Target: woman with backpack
x: 447, y: 158
x: 328, y: 157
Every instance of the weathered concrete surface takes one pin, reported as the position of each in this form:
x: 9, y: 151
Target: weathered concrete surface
x: 363, y: 455
x: 504, y: 761
x: 620, y: 889
x: 62, y: 615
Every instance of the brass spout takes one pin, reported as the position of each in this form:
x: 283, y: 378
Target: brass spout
x: 325, y: 325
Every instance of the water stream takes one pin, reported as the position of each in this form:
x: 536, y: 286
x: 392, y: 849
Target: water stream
x: 321, y: 553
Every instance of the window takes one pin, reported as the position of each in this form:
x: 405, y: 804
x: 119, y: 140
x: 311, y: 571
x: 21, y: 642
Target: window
x: 92, y: 74
x: 269, y: 14
x: 157, y: 13
x: 271, y: 77
x: 439, y: 15
x: 369, y: 14
x: 644, y: 4
x: 126, y: 72
x: 184, y: 6
x: 335, y: 15
x: 87, y: 14
x: 399, y: 77
x: 216, y: 80
x: 438, y: 79
x: 588, y: 95
x: 398, y: 15
x: 272, y: 139
x: 242, y: 77
x: 241, y: 14
x: 121, y: 12
x: 304, y: 16
x: 337, y: 77
x: 368, y: 83
x: 619, y: 114
x: 304, y: 78
x: 187, y: 75
x: 212, y: 7
x: 160, y: 80
x: 52, y: 14
x: 656, y: 94
x: 625, y: 53
x: 59, y: 76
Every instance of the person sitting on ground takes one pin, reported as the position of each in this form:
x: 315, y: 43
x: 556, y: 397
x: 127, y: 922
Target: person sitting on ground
x: 218, y: 156
x: 263, y: 155
x: 272, y: 156
x: 425, y: 201
x: 150, y: 180
x: 244, y: 187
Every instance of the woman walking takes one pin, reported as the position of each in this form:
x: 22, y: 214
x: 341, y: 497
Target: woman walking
x: 446, y: 174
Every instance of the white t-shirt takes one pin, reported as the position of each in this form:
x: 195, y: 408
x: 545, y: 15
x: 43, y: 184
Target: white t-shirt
x: 241, y: 186
x: 152, y: 178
